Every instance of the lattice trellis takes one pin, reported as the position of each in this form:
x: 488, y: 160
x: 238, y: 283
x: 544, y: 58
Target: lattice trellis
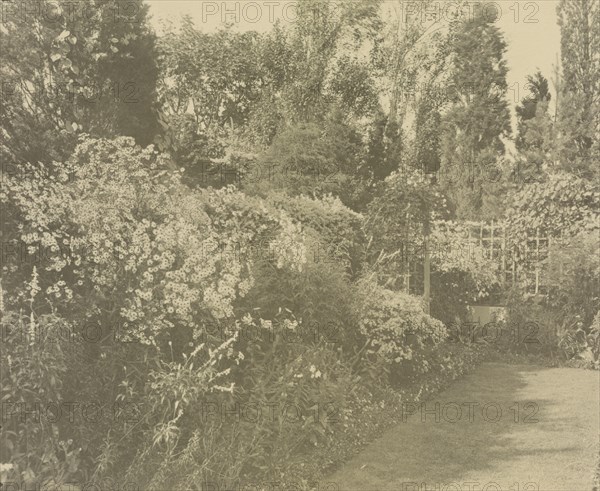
x: 523, y: 266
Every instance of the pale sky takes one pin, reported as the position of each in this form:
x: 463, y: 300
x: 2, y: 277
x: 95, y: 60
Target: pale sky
x: 529, y: 27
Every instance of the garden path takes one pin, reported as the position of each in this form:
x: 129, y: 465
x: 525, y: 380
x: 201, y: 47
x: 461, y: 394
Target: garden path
x: 520, y: 428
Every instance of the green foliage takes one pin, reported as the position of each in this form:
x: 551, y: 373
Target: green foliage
x: 306, y: 151
x: 354, y: 87
x: 539, y: 147
x: 566, y: 209
x: 71, y: 70
x: 451, y: 292
x: 563, y: 204
x: 398, y: 218
x: 454, y: 254
x: 572, y: 272
x: 579, y: 23
x: 322, y: 28
x: 579, y: 96
x: 340, y: 235
x: 395, y: 323
x: 320, y: 296
x: 312, y: 159
x: 577, y: 136
x: 33, y: 368
x: 151, y: 247
x: 538, y: 92
x: 314, y: 382
x: 433, y: 369
x: 384, y: 148
x: 535, y: 128
x: 477, y: 121
x: 427, y: 141
x: 195, y: 151
x: 214, y: 73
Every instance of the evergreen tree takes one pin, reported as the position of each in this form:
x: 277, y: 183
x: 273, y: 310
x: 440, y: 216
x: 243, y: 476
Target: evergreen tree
x: 478, y: 118
x: 535, y: 137
x: 538, y: 93
x: 579, y: 102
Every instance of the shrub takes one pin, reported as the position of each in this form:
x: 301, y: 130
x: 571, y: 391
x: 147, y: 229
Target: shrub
x: 123, y: 236
x: 395, y: 323
x: 319, y: 296
x: 566, y: 208
x: 561, y: 204
x: 127, y: 248
x: 433, y: 369
x: 572, y: 276
x: 340, y: 237
x: 397, y: 220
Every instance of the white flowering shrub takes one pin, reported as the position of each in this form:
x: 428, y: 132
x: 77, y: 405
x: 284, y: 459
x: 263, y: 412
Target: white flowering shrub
x: 339, y: 229
x: 119, y: 241
x: 123, y: 243
x: 395, y: 322
x: 122, y: 236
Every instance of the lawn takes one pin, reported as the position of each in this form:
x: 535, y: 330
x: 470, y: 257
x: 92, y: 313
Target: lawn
x: 545, y: 437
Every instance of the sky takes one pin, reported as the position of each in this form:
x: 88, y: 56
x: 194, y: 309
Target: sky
x: 530, y: 27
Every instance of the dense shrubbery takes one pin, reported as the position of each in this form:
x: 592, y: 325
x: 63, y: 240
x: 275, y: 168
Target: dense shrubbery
x: 214, y: 296
x: 127, y: 248
x: 194, y: 296
x: 567, y: 209
x: 338, y: 227
x: 395, y: 323
x: 140, y: 284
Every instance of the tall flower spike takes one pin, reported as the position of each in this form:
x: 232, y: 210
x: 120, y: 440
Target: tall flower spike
x: 31, y: 329
x: 35, y: 287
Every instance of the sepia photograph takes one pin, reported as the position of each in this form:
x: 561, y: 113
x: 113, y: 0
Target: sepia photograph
x: 300, y: 245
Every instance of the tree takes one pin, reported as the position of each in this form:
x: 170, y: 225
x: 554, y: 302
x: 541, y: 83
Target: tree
x: 384, y: 148
x: 311, y: 159
x: 579, y: 101
x: 579, y: 22
x: 527, y: 109
x: 213, y: 76
x: 70, y: 68
x: 132, y: 71
x: 535, y: 138
x: 321, y: 30
x: 478, y: 119
x: 315, y: 66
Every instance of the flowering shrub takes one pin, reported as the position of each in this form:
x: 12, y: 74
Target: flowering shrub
x: 126, y: 245
x: 395, y: 322
x: 339, y: 228
x: 123, y: 236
